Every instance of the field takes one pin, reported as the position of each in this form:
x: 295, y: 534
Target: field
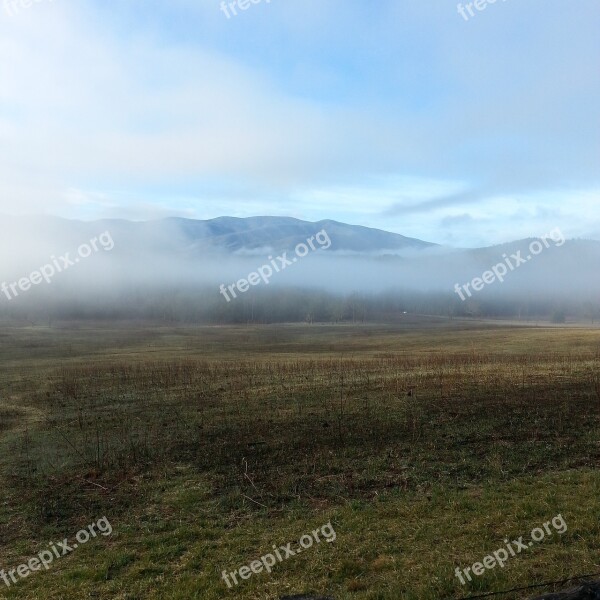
x: 425, y: 443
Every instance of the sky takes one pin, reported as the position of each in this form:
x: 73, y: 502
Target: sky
x: 403, y: 115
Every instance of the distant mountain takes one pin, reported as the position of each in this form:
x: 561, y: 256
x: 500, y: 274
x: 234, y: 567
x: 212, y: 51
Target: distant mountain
x: 175, y: 253
x: 229, y: 235
x: 279, y: 233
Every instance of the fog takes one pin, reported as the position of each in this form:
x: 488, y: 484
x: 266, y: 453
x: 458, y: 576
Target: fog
x: 53, y: 268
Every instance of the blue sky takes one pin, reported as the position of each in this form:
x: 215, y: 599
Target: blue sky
x: 400, y: 115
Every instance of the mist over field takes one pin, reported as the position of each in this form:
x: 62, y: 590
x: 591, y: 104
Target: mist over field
x: 183, y: 263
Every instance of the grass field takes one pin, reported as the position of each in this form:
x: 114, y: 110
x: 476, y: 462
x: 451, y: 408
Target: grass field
x: 425, y: 443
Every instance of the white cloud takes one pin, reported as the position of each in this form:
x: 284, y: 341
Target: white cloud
x: 101, y: 119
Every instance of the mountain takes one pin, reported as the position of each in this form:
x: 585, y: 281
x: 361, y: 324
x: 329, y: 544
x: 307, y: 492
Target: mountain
x: 179, y: 256
x: 280, y: 233
x: 230, y: 235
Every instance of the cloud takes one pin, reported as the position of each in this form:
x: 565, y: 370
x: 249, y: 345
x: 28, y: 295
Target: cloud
x: 464, y: 219
x: 449, y: 201
x: 298, y: 107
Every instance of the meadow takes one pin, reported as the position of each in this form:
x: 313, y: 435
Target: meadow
x: 425, y: 442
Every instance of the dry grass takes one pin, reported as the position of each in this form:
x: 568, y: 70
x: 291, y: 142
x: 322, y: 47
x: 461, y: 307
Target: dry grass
x: 259, y: 433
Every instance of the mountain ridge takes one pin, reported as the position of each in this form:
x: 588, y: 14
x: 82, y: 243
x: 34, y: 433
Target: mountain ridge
x: 237, y: 235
